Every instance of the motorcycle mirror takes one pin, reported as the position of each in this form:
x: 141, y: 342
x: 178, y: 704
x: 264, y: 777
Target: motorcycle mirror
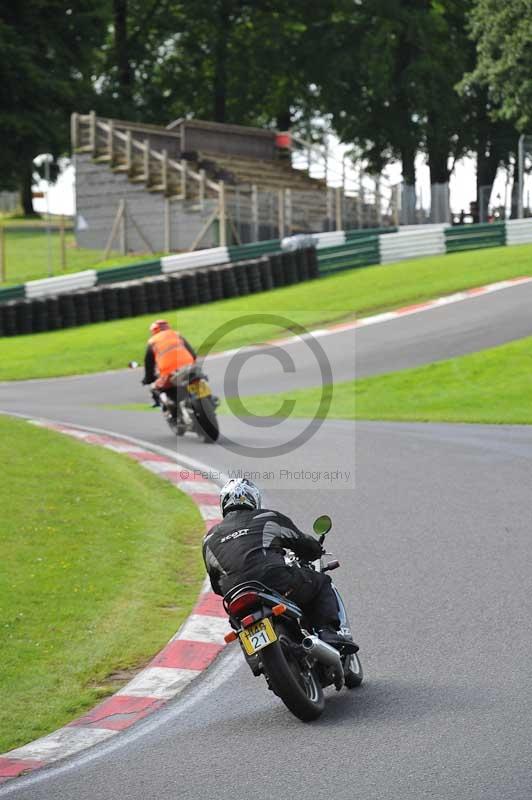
x: 322, y: 525
x: 133, y: 364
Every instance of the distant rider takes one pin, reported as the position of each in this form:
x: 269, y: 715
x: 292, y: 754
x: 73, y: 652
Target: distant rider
x: 250, y: 543
x: 166, y: 352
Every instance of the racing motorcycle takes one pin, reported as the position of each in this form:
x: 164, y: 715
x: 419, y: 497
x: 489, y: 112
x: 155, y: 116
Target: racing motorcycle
x: 279, y: 643
x: 187, y: 402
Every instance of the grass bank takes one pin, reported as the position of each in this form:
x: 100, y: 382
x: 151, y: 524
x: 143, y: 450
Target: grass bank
x: 110, y: 345
x: 101, y: 562
x: 491, y: 386
x: 26, y: 256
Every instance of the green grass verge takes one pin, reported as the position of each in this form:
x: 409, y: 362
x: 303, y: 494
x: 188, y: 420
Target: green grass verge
x: 491, y: 386
x: 111, y: 345
x: 101, y: 562
x: 26, y: 254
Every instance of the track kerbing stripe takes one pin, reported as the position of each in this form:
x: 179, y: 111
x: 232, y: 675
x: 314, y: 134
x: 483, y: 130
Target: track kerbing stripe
x: 193, y: 648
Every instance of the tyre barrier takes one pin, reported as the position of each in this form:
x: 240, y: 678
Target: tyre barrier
x: 157, y: 294
x: 190, y: 289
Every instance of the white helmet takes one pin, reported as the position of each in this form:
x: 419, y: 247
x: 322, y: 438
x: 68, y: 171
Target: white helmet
x: 239, y: 493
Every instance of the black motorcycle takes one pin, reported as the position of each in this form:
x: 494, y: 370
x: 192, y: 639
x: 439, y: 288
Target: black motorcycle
x: 187, y: 402
x: 279, y: 643
x: 189, y: 405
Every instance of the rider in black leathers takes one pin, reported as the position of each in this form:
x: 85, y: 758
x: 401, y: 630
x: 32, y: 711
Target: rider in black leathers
x: 249, y: 544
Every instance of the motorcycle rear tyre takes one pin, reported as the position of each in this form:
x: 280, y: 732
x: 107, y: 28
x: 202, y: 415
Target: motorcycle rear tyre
x: 306, y: 704
x: 206, y: 419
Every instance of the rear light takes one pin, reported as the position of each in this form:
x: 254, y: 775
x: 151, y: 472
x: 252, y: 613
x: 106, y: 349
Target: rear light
x: 242, y: 602
x: 249, y: 620
x: 230, y: 637
x: 280, y: 608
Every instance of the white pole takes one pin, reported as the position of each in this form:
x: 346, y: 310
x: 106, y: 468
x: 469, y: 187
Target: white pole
x: 520, y: 175
x: 48, y: 231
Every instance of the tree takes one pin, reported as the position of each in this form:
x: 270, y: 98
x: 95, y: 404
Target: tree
x: 46, y: 55
x: 392, y: 87
x: 371, y: 83
x: 239, y: 61
x: 503, y: 36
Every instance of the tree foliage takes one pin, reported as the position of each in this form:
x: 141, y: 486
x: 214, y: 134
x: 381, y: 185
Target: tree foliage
x: 385, y: 72
x: 46, y: 65
x: 503, y: 35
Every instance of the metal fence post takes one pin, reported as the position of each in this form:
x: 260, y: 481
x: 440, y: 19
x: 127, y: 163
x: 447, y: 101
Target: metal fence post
x: 378, y: 200
x: 280, y: 212
x: 62, y: 241
x: 222, y: 215
x: 344, y: 171
x: 339, y: 208
x: 123, y: 228
x: 520, y: 175
x: 361, y: 200
x: 288, y: 210
x: 254, y: 213
x: 329, y: 207
x: 164, y: 171
x: 167, y: 230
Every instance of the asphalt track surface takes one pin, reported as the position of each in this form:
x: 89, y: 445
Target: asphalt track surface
x: 432, y: 526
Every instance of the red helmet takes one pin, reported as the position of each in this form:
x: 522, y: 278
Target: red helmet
x: 159, y: 325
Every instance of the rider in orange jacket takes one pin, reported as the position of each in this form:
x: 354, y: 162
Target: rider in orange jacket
x: 166, y: 352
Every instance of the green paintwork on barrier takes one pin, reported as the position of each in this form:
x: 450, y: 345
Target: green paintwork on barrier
x: 360, y: 233
x: 361, y: 252
x: 130, y: 273
x: 12, y: 293
x: 241, y: 252
x: 475, y: 237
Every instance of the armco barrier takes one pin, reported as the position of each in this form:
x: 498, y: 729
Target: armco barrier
x: 475, y: 237
x: 61, y: 285
x: 329, y: 239
x: 241, y: 252
x: 361, y: 233
x: 412, y: 244
x: 130, y: 273
x: 195, y: 260
x: 361, y: 252
x: 12, y: 293
x: 519, y: 231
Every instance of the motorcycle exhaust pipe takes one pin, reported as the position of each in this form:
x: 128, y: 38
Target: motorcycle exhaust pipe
x: 326, y: 655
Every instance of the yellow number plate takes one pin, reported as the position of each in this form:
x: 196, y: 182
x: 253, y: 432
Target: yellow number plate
x: 200, y: 389
x: 257, y: 636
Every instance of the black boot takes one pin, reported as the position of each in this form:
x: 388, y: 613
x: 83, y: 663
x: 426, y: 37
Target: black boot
x: 330, y: 636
